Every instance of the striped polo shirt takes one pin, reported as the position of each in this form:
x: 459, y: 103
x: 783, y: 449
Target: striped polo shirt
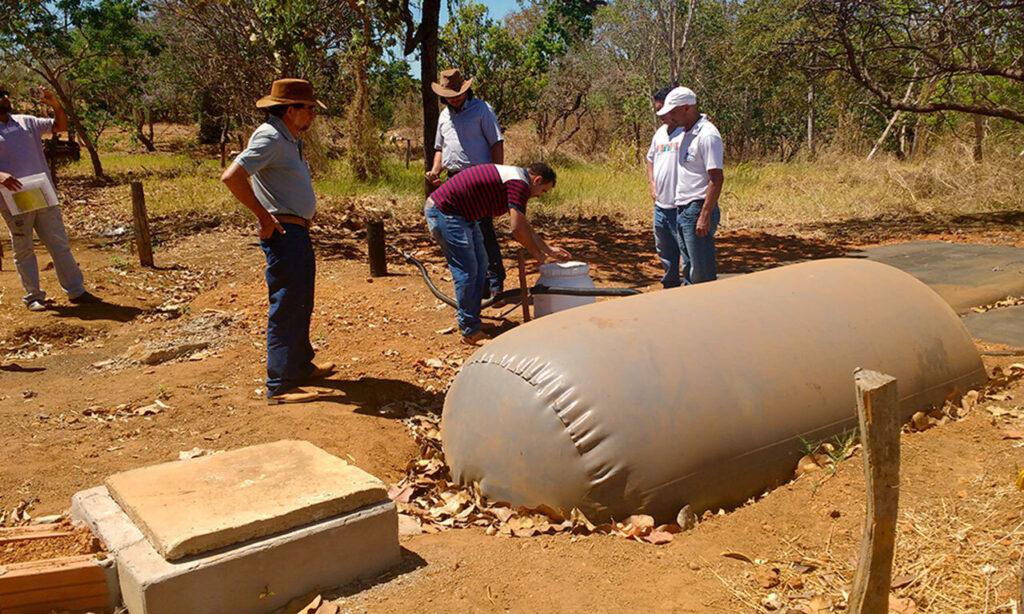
x: 484, y: 190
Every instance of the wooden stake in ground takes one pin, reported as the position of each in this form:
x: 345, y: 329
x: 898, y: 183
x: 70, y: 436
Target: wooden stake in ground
x: 142, y: 238
x: 524, y: 292
x: 375, y: 249
x: 879, y: 416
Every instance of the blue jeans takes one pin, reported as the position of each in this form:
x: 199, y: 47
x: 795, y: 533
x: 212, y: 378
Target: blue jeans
x: 667, y: 243
x: 495, y: 267
x: 698, y: 252
x: 463, y: 246
x: 291, y: 275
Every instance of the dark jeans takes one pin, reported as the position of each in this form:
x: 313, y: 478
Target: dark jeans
x: 495, y: 267
x: 291, y: 275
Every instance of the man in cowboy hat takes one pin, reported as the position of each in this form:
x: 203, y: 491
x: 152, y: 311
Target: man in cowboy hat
x: 468, y: 134
x: 281, y: 196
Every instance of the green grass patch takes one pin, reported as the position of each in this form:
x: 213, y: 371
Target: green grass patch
x: 586, y: 190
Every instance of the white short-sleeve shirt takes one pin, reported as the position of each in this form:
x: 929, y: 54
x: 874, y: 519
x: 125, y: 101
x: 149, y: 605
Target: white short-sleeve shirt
x: 21, y: 148
x: 700, y: 151
x: 663, y: 155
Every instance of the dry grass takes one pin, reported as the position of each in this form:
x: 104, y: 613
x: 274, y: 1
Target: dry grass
x: 955, y: 553
x: 833, y: 188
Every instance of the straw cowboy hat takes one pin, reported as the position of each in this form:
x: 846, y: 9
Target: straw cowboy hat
x: 289, y: 91
x: 451, y: 84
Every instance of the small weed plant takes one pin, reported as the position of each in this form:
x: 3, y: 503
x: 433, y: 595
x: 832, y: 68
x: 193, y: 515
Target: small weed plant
x: 837, y: 448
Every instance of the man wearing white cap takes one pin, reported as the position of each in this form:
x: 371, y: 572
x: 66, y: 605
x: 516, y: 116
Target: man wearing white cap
x: 661, y: 180
x: 699, y: 180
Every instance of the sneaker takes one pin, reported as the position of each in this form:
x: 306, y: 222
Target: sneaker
x: 85, y: 298
x: 36, y: 306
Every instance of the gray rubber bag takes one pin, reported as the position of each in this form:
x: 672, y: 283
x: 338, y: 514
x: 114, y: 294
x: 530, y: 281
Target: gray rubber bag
x: 699, y: 395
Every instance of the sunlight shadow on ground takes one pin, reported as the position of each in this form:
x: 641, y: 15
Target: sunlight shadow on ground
x: 98, y: 311
x: 372, y: 395
x: 410, y: 562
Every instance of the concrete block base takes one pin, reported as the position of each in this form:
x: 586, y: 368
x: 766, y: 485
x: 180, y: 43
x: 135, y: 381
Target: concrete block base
x: 260, y: 575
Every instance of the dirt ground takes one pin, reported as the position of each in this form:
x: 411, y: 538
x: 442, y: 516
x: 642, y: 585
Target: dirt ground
x: 78, y: 403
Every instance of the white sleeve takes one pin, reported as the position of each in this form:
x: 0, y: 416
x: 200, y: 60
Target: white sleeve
x: 712, y: 150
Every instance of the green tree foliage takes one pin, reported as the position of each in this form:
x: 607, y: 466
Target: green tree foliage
x: 563, y: 24
x: 228, y: 52
x: 486, y: 51
x: 922, y: 56
x: 88, y: 51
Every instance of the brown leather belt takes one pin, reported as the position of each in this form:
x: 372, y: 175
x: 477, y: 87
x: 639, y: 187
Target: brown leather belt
x: 293, y: 219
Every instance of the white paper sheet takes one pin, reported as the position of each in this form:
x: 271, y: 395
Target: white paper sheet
x: 36, y: 193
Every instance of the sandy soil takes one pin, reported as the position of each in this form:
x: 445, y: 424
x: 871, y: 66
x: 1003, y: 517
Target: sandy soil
x: 77, y: 406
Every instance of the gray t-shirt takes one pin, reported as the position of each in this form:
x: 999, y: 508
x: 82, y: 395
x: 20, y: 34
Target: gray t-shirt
x: 21, y: 152
x: 465, y: 138
x: 280, y: 175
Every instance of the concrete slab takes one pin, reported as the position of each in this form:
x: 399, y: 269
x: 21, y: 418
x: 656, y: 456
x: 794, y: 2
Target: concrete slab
x: 1004, y: 325
x: 198, y: 505
x: 259, y: 575
x: 964, y: 275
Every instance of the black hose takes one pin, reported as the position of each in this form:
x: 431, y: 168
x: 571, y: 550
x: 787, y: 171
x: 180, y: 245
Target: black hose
x: 426, y: 277
x: 515, y: 292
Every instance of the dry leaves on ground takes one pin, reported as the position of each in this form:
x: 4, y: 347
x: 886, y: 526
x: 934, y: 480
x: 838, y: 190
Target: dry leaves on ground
x: 1010, y: 301
x: 428, y: 494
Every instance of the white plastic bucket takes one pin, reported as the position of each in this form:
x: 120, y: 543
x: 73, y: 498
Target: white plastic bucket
x: 562, y: 275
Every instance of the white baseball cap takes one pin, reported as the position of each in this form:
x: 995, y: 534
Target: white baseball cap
x: 677, y: 98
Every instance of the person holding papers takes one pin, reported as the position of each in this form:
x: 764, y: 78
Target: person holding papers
x: 21, y: 157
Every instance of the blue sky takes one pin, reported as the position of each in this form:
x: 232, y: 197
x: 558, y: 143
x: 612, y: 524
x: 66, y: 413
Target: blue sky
x: 496, y: 9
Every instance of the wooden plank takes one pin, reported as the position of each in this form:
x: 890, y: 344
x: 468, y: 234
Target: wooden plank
x: 878, y: 411
x: 55, y: 597
x: 32, y: 535
x: 21, y: 577
x: 85, y: 604
x: 524, y: 292
x: 32, y: 528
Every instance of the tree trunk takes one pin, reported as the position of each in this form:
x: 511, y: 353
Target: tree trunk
x: 210, y: 124
x: 428, y: 72
x: 810, y: 117
x: 979, y: 136
x: 888, y: 127
x: 139, y: 120
x: 692, y: 7
x: 363, y: 151
x: 72, y: 114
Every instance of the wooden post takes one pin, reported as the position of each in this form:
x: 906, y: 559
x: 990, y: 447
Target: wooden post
x: 375, y: 248
x: 524, y: 292
x: 142, y: 238
x: 408, y: 147
x: 878, y: 411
